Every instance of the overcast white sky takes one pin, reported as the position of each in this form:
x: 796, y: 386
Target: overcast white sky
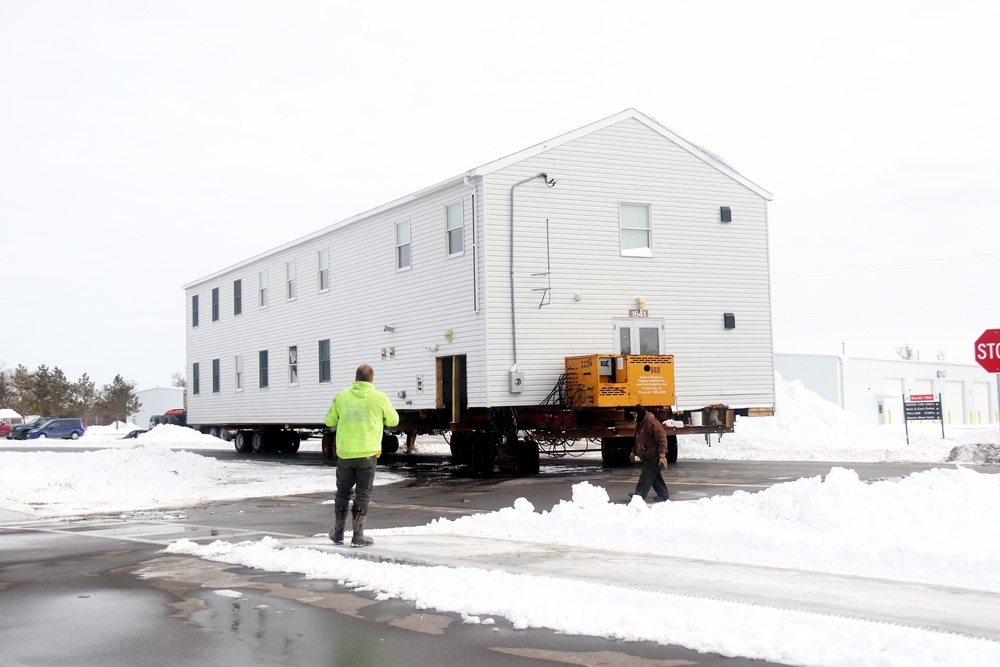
x: 144, y: 145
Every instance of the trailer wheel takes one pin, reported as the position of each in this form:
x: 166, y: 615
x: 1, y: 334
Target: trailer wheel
x: 390, y: 443
x: 482, y: 455
x: 461, y: 448
x: 294, y: 442
x: 242, y: 441
x: 330, y: 445
x: 258, y: 444
x: 614, y: 451
x: 215, y: 431
x: 671, y: 449
x: 526, y: 457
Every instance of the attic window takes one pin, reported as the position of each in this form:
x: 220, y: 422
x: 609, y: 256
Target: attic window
x: 725, y: 214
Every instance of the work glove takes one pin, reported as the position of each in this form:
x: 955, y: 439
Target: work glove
x: 378, y: 453
x: 663, y: 463
x: 631, y: 457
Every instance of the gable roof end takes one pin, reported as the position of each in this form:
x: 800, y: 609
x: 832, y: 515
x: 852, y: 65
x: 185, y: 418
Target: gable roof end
x: 649, y: 122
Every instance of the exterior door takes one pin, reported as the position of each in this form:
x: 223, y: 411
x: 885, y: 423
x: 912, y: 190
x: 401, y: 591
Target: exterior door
x: 639, y: 335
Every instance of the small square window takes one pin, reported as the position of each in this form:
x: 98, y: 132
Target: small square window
x: 725, y: 214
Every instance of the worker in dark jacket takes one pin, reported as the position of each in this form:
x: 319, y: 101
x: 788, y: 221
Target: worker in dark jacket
x: 651, y: 449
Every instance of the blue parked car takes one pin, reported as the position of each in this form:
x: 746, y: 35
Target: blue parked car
x: 57, y: 428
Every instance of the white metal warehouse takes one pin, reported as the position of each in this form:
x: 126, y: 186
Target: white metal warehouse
x: 617, y: 237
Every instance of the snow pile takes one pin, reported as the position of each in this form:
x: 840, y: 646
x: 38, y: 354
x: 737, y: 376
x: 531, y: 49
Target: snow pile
x: 141, y: 474
x: 890, y: 529
x: 806, y: 427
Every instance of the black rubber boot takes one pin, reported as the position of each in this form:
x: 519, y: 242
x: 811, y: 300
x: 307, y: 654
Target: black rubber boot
x: 339, y: 519
x: 359, y: 539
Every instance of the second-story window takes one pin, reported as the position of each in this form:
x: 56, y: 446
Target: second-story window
x: 323, y: 278
x: 454, y: 228
x: 215, y: 304
x: 290, y: 280
x: 237, y: 297
x: 262, y: 288
x: 194, y: 311
x: 403, y: 245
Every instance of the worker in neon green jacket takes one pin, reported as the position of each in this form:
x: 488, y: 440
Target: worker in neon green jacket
x: 360, y: 414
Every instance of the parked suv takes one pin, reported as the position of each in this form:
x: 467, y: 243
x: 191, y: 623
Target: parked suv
x: 20, y: 431
x: 57, y: 428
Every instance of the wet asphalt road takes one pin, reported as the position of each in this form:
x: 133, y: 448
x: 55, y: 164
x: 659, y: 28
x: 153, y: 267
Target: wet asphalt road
x: 100, y: 592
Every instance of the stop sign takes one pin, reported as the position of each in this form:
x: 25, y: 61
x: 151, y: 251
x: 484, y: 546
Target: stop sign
x: 988, y: 350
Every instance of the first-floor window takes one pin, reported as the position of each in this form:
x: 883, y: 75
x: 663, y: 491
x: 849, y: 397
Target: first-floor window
x: 238, y: 363
x: 216, y: 377
x: 636, y: 230
x: 293, y: 365
x: 324, y: 360
x: 196, y: 378
x: 262, y: 365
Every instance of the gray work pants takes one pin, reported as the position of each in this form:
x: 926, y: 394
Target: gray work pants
x: 356, y: 474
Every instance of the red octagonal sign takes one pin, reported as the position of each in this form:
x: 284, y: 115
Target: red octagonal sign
x: 988, y: 350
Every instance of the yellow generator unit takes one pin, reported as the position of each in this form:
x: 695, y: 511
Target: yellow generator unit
x: 619, y: 380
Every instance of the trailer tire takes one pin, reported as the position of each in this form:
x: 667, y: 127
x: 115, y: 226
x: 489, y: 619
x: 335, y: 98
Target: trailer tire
x: 215, y: 431
x: 614, y: 451
x: 330, y: 445
x: 294, y: 442
x: 258, y: 443
x: 527, y: 457
x: 671, y: 449
x: 390, y: 443
x: 482, y: 455
x: 242, y: 442
x: 461, y: 448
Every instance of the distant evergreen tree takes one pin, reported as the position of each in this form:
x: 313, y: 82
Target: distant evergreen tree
x: 117, y: 400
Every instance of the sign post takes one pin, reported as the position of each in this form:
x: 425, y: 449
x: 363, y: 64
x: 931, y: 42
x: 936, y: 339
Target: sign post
x: 988, y: 354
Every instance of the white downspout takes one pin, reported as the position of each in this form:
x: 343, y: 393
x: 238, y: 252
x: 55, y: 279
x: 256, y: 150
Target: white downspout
x: 475, y: 250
